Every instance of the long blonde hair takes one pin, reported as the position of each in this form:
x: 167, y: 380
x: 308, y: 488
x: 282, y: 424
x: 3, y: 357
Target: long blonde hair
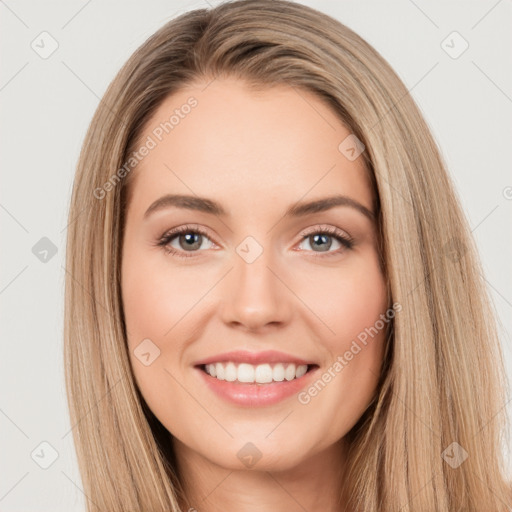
x: 443, y: 378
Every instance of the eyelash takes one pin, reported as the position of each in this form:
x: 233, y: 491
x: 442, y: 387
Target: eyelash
x: 165, y: 240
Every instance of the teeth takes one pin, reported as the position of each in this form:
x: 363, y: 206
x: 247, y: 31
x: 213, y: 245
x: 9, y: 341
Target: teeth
x: 261, y: 374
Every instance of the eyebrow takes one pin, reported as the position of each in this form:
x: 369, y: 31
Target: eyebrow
x: 299, y: 209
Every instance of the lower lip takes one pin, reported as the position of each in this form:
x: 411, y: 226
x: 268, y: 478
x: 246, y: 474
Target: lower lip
x: 255, y: 395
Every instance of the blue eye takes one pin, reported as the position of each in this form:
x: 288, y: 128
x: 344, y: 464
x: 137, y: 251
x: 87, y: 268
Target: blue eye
x: 322, y: 236
x: 192, y: 237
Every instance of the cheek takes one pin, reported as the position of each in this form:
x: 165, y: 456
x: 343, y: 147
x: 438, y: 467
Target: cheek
x: 349, y: 300
x: 359, y: 301
x: 154, y: 297
x: 352, y: 302
x: 153, y: 306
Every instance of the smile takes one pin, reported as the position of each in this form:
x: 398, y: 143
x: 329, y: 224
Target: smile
x: 289, y: 380
x: 261, y: 373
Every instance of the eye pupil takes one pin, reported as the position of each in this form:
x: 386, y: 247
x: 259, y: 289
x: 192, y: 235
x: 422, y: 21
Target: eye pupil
x: 191, y: 239
x: 322, y: 238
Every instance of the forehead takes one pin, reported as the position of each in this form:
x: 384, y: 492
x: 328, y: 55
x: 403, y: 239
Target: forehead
x: 243, y: 146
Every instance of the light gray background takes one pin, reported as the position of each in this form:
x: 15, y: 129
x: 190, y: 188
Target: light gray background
x: 47, y: 104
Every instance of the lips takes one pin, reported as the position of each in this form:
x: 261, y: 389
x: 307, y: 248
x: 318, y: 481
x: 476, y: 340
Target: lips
x: 250, y: 395
x: 254, y: 358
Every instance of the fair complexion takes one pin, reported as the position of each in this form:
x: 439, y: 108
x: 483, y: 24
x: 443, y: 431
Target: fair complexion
x: 256, y: 154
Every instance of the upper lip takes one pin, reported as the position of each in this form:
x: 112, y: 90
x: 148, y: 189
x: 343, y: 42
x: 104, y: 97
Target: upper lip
x: 243, y: 356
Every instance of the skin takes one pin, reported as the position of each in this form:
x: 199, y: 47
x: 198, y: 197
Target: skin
x: 256, y: 154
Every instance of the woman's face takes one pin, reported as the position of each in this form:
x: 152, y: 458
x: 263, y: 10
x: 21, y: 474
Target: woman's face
x: 254, y: 278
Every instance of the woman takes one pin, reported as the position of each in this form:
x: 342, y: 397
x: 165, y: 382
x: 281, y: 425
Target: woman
x: 214, y: 358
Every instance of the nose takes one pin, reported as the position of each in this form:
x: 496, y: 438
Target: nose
x: 256, y: 295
